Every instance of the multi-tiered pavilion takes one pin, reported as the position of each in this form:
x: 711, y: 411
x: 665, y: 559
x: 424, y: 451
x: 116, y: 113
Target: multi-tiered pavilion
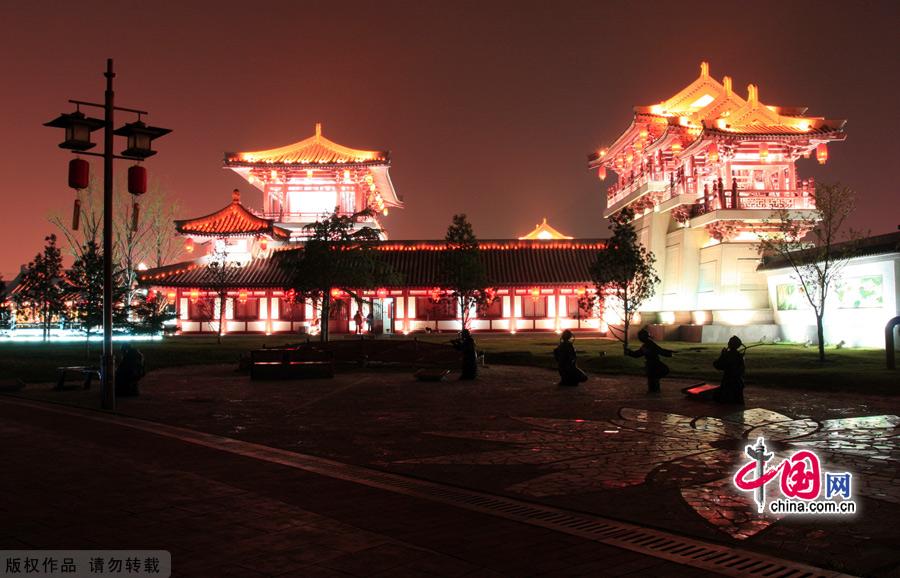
x: 704, y: 172
x: 316, y: 177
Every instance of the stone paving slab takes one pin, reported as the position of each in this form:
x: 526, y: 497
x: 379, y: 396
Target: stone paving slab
x: 79, y: 483
x: 604, y: 447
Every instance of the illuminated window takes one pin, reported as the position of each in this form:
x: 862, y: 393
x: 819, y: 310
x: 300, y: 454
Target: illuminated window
x: 534, y: 309
x: 246, y: 311
x: 428, y: 310
x: 492, y: 311
x: 292, y: 311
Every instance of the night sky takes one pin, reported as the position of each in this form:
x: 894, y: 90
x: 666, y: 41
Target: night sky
x: 489, y: 108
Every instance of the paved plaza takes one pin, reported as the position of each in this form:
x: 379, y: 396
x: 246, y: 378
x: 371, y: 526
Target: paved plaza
x: 604, y: 447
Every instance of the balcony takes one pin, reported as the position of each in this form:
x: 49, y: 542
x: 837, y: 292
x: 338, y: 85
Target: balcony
x: 753, y: 199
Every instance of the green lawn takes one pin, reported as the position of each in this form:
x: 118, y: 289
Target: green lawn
x: 860, y: 370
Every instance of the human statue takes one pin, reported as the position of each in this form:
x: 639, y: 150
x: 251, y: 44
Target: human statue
x: 731, y: 363
x: 651, y: 352
x: 569, y: 373
x: 129, y: 371
x: 466, y: 344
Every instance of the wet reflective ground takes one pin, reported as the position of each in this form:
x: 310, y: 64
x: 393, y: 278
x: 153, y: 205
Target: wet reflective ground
x: 604, y: 447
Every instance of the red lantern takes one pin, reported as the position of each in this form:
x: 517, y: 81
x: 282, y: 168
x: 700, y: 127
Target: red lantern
x: 336, y: 293
x: 79, y: 173
x: 676, y: 148
x: 137, y: 180
x: 76, y: 214
x: 601, y: 173
x: 822, y: 153
x: 535, y: 293
x: 580, y: 291
x: 189, y: 245
x: 195, y: 295
x: 644, y: 133
x: 436, y: 294
x: 263, y: 244
x: 763, y: 151
x: 242, y: 296
x: 713, y: 153
x: 629, y: 157
x: 382, y: 293
x: 170, y: 296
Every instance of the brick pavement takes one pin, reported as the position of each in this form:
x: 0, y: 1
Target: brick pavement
x: 71, y: 482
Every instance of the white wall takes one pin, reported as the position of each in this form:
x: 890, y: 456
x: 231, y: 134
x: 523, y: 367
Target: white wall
x: 857, y: 327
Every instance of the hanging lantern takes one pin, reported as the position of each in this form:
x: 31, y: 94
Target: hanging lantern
x: 189, y: 245
x: 676, y: 148
x: 382, y: 293
x: 644, y: 133
x: 242, y: 296
x: 436, y: 294
x: 195, y: 295
x: 763, y: 151
x: 79, y: 173
x: 822, y: 153
x: 713, y: 153
x: 535, y: 293
x: 346, y: 176
x: 76, y: 214
x: 135, y: 216
x: 170, y: 296
x: 629, y: 157
x: 263, y: 244
x: 602, y: 153
x: 137, y: 180
x: 140, y: 137
x: 580, y: 291
x: 336, y: 293
x: 601, y: 173
x: 309, y: 173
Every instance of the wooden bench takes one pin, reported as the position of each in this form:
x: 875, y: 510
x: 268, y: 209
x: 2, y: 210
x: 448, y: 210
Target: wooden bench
x: 86, y: 373
x: 291, y: 363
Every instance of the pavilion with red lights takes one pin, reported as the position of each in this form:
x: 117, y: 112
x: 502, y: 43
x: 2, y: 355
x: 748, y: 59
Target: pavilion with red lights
x: 538, y: 281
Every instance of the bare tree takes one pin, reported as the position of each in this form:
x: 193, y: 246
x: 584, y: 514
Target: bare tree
x: 815, y: 246
x: 220, y: 276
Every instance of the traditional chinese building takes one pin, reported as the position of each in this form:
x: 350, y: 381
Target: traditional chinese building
x: 544, y: 232
x: 538, y: 285
x: 703, y: 171
x: 539, y: 282
x: 307, y: 180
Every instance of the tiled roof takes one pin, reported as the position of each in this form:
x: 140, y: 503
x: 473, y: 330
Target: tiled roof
x: 315, y: 151
x: 419, y: 263
x: 834, y: 130
x: 232, y: 220
x: 870, y: 246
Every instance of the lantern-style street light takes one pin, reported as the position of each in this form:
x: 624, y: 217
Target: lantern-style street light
x: 78, y: 129
x: 140, y: 136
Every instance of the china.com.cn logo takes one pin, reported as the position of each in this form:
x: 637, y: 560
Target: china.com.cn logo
x: 801, y: 480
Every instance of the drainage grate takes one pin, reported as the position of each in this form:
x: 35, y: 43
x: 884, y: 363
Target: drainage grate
x: 717, y: 558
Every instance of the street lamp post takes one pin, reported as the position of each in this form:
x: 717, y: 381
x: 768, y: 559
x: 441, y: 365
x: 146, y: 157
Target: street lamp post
x: 78, y: 129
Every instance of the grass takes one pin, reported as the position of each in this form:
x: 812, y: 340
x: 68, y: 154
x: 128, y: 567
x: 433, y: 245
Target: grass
x: 783, y: 365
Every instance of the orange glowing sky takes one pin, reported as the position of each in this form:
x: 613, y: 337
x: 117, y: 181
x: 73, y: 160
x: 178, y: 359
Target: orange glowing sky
x: 489, y: 108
